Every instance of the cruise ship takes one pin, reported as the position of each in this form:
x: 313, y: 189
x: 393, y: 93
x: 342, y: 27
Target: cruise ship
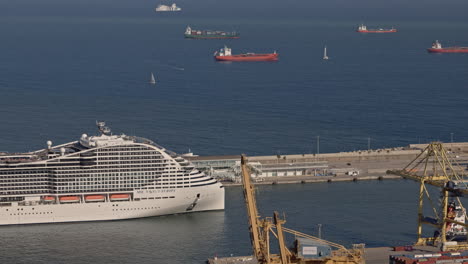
x: 103, y: 177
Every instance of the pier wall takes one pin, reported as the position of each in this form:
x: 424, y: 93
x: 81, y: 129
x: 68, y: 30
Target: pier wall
x: 355, y: 165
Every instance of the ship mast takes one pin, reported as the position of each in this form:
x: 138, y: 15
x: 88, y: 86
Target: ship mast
x: 325, y: 57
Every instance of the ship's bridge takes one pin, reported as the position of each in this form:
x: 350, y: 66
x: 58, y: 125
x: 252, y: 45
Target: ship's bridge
x: 104, y: 140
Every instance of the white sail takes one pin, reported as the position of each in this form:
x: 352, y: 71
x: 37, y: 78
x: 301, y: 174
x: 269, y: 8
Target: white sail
x: 325, y: 57
x: 152, y: 80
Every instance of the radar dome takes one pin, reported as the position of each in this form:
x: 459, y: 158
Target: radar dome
x: 49, y: 144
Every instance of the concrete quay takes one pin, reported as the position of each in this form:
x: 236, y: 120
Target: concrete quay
x: 233, y: 260
x: 313, y: 179
x: 379, y: 255
x: 326, y: 167
x: 372, y: 165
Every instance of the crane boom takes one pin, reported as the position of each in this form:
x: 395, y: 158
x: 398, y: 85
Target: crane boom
x: 259, y: 234
x: 252, y: 212
x: 282, y: 246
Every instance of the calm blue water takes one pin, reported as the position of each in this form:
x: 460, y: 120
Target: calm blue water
x: 65, y: 64
x: 375, y: 213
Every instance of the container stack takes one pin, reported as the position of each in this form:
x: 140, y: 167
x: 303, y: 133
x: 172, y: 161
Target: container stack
x: 460, y: 257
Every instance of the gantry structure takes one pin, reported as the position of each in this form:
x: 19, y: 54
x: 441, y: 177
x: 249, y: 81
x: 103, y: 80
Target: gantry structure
x: 436, y: 166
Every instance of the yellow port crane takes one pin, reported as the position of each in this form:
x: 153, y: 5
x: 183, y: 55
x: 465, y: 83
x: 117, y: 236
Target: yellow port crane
x: 434, y: 166
x: 308, y: 249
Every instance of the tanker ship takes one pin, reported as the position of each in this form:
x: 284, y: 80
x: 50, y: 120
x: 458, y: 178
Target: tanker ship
x: 225, y: 54
x: 437, y: 48
x: 363, y: 29
x: 209, y: 34
x: 104, y: 177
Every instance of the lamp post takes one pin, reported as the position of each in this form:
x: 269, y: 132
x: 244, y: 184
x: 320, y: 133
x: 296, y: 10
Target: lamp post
x: 319, y: 231
x: 318, y: 145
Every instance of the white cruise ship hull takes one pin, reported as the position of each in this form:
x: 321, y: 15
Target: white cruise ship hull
x: 175, y: 201
x: 98, y: 178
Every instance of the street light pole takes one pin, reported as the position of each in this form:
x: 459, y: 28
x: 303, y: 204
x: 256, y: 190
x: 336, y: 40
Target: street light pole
x: 318, y: 145
x: 319, y: 231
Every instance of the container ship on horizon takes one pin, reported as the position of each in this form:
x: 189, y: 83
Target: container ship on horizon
x: 105, y: 177
x: 437, y: 48
x: 166, y: 8
x: 363, y: 29
x: 225, y: 54
x: 209, y: 34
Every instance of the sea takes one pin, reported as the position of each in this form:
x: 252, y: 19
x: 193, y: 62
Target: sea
x: 64, y: 64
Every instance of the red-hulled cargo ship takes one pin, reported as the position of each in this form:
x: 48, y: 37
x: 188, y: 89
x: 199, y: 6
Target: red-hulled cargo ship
x: 363, y: 29
x: 226, y: 55
x: 437, y: 48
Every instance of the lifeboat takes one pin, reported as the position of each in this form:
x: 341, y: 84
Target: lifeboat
x: 95, y: 198
x: 69, y: 199
x: 120, y: 197
x: 437, y: 48
x: 48, y: 199
x: 226, y: 55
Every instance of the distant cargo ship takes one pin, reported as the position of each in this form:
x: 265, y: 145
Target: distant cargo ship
x: 437, y: 48
x: 363, y: 29
x: 209, y: 34
x: 226, y: 55
x: 163, y: 8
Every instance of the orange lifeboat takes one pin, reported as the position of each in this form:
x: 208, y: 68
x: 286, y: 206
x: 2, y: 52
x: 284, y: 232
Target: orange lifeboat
x: 95, y: 198
x: 69, y: 199
x: 120, y: 197
x: 48, y: 199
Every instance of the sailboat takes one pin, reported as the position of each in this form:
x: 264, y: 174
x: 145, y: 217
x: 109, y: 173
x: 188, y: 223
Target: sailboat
x: 325, y: 57
x: 152, y: 80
